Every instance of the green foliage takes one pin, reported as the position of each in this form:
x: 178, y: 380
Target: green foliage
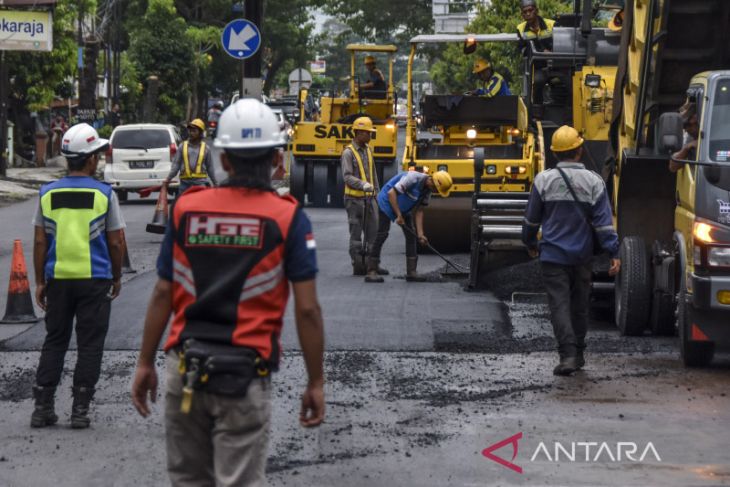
x: 451, y: 73
x: 160, y: 46
x: 37, y: 75
x: 105, y: 132
x: 393, y: 21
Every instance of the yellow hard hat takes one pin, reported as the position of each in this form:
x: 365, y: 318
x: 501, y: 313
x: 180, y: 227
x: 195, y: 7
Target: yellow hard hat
x: 566, y: 138
x: 363, y: 123
x: 480, y: 65
x: 369, y: 59
x: 197, y: 123
x: 443, y: 182
x: 616, y: 23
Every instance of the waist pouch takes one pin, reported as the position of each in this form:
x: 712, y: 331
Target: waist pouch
x: 220, y: 368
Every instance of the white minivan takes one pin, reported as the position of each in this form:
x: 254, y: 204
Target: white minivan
x: 140, y: 156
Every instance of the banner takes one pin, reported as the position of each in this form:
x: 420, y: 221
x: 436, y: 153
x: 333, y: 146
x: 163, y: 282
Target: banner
x: 318, y: 67
x: 26, y: 30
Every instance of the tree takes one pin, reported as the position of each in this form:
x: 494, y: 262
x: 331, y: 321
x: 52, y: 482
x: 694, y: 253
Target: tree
x: 391, y: 21
x: 287, y: 33
x: 160, y: 46
x: 451, y: 73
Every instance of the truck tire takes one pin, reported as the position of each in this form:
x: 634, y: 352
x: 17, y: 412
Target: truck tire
x: 318, y: 191
x: 121, y: 195
x: 633, y: 287
x: 298, y: 179
x: 694, y: 354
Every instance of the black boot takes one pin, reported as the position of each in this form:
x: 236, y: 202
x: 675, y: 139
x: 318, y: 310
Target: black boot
x: 567, y: 366
x: 373, y: 275
x: 411, y: 274
x: 382, y: 271
x: 358, y: 266
x: 80, y: 408
x: 580, y: 361
x: 43, y: 414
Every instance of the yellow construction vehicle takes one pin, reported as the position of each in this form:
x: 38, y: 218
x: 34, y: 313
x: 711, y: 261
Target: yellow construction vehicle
x: 578, y: 76
x: 315, y: 174
x: 674, y: 228
x: 454, y: 131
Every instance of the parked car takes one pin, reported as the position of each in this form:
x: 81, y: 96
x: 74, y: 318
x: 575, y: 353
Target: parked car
x: 284, y: 124
x: 140, y: 156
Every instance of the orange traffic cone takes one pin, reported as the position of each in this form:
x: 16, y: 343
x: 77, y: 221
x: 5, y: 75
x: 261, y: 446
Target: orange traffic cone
x: 19, y: 308
x: 126, y: 263
x: 159, y: 220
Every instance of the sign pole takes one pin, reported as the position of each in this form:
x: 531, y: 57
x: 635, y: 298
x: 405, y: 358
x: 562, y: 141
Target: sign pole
x: 3, y: 116
x: 243, y: 79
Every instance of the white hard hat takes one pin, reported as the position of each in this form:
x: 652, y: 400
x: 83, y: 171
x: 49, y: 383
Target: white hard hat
x: 248, y: 124
x: 82, y: 140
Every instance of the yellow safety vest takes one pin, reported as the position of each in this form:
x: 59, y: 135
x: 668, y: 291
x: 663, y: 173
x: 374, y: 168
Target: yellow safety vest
x: 529, y: 34
x: 198, y: 173
x: 74, y: 211
x: 356, y: 192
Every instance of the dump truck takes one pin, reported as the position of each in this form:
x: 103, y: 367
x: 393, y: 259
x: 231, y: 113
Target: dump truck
x: 674, y: 227
x: 317, y: 144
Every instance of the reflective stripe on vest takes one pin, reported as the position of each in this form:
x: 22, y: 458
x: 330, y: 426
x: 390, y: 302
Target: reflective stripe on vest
x: 77, y: 245
x: 198, y: 174
x: 356, y: 192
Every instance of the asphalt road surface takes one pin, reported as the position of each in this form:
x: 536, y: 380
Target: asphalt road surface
x: 422, y: 379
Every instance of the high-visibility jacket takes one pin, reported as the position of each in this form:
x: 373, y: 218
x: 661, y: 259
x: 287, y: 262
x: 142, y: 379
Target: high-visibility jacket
x: 228, y: 283
x: 543, y: 38
x: 495, y: 86
x: 370, y: 178
x: 198, y: 172
x: 74, y: 213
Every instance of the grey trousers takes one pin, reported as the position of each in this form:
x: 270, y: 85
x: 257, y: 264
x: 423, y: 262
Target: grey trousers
x: 568, y: 290
x: 222, y: 441
x: 359, y: 228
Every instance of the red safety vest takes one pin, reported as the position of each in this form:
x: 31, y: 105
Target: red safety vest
x: 228, y: 281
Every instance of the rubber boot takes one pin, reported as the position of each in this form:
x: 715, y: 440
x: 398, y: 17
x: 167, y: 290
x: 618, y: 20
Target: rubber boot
x: 80, y: 408
x: 567, y: 366
x: 411, y: 274
x: 382, y: 271
x: 373, y: 275
x: 43, y: 414
x: 358, y: 266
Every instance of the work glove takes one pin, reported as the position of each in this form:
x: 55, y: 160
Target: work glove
x: 368, y: 188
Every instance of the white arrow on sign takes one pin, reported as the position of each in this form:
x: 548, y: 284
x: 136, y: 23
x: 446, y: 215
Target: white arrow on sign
x: 237, y: 42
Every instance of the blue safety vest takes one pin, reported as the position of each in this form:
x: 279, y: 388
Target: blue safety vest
x: 74, y: 212
x: 406, y: 201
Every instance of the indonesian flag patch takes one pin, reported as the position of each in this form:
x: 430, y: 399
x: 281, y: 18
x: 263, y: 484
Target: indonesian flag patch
x: 311, y: 244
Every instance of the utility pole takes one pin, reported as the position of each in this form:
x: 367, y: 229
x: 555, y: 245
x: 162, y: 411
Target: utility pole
x: 251, y: 67
x: 3, y: 115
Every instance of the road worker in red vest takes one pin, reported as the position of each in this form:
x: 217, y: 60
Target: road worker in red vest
x: 226, y: 265
x: 192, y: 160
x: 361, y: 187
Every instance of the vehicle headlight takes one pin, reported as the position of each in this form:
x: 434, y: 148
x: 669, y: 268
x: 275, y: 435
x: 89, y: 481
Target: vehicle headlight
x: 442, y: 167
x: 471, y: 134
x: 718, y: 256
x: 491, y: 169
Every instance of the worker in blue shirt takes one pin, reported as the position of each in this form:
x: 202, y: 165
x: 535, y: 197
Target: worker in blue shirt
x: 571, y: 205
x: 493, y: 84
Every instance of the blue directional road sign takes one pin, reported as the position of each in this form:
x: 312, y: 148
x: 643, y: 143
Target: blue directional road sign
x: 241, y: 39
